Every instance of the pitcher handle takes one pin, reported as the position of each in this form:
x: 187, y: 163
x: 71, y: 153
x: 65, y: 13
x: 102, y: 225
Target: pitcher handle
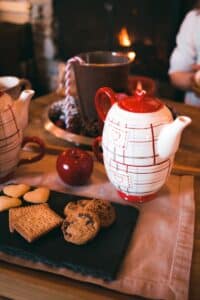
x: 36, y: 140
x: 25, y: 84
x: 104, y: 99
x: 96, y: 148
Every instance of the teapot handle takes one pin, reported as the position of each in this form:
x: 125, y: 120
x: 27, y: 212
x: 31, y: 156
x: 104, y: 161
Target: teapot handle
x: 39, y: 142
x: 96, y: 148
x: 104, y: 99
x: 25, y: 84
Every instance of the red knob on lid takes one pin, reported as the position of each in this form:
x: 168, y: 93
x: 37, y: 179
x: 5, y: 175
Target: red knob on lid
x: 140, y: 102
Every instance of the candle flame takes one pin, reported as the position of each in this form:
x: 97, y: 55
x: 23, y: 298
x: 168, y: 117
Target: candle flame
x: 139, y: 86
x: 123, y: 38
x: 131, y: 55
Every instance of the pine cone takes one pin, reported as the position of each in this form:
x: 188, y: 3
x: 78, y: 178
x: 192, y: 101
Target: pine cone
x: 75, y: 124
x: 90, y: 128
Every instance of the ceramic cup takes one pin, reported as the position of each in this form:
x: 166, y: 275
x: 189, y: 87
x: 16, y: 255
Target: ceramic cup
x: 100, y: 68
x: 13, y: 85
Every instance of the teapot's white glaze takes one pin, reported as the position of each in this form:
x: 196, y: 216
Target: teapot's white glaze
x: 13, y: 120
x: 138, y: 147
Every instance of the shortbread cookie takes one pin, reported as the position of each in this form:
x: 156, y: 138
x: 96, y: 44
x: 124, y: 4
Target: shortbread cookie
x: 15, y: 213
x: 103, y: 209
x: 16, y: 190
x: 8, y: 202
x: 36, y: 223
x: 81, y: 228
x: 74, y: 206
x: 39, y: 195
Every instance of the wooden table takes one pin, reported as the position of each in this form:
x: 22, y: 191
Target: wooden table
x: 21, y: 283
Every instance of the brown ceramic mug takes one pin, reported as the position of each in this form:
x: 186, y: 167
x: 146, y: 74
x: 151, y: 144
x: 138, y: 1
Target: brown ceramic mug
x: 100, y: 68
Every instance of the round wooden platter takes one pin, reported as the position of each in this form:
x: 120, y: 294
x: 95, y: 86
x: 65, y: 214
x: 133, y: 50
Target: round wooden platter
x: 64, y: 134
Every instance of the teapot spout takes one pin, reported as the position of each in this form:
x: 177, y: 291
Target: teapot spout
x: 169, y: 138
x: 22, y: 108
x: 26, y: 95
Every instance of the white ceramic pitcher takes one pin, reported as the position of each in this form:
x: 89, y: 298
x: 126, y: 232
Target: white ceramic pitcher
x: 139, y: 140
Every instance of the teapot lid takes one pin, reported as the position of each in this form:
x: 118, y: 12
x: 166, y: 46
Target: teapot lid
x: 140, y: 102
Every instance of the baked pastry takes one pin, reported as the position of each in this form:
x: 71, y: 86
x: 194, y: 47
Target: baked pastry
x: 37, y: 222
x: 103, y: 209
x: 70, y: 208
x: 39, y: 195
x: 16, y: 190
x: 8, y: 202
x: 74, y: 206
x: 18, y: 212
x: 80, y: 227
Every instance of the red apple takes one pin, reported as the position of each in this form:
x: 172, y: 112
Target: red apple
x: 74, y: 166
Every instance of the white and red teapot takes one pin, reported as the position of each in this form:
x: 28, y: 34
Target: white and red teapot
x: 140, y: 138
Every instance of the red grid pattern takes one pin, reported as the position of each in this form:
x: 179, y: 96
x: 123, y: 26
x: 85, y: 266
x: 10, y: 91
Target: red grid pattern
x: 130, y: 172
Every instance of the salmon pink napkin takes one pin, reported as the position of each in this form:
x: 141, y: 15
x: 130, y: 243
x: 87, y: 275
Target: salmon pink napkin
x: 158, y: 260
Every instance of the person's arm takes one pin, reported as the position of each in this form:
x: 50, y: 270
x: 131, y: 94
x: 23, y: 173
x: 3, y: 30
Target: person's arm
x: 196, y: 85
x: 182, y: 60
x: 185, y: 80
x: 182, y: 80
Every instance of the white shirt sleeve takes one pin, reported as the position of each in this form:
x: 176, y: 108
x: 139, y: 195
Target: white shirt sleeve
x: 184, y: 54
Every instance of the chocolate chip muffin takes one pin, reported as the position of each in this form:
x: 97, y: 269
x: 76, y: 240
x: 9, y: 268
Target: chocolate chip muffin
x: 80, y: 227
x: 103, y: 209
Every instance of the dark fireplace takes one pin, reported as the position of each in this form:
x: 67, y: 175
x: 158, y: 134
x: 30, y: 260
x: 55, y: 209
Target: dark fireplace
x: 147, y: 27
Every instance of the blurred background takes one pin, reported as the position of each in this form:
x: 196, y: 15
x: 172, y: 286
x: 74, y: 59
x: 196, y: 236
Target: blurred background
x: 37, y: 35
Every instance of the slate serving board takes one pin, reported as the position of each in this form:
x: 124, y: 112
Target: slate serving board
x: 100, y: 257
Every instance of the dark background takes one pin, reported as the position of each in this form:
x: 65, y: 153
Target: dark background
x: 87, y: 25
x: 94, y: 25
